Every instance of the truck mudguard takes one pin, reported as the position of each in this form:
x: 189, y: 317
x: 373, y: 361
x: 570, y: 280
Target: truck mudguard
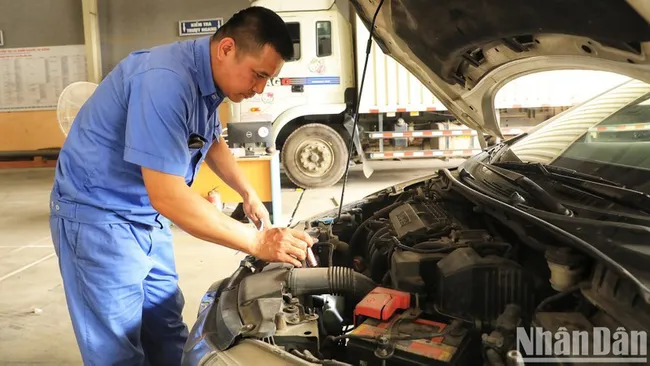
x: 305, y: 110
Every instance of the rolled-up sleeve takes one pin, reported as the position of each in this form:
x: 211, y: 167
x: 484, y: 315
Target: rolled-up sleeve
x: 156, y: 128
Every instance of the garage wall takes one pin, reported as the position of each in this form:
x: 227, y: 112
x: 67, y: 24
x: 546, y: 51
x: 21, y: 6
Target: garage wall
x: 36, y: 23
x: 123, y: 28
x: 32, y: 23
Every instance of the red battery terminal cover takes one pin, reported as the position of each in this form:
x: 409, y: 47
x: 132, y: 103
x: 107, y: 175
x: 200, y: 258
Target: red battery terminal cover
x: 382, y: 303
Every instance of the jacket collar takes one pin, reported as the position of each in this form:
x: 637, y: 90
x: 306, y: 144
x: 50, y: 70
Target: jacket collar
x: 204, y: 68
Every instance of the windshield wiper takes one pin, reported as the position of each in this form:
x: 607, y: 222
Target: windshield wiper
x: 533, y: 189
x: 593, y: 184
x: 498, y: 150
x: 548, y: 169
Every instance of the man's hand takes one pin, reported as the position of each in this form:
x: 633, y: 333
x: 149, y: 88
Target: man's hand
x: 172, y: 198
x: 256, y: 211
x: 282, y: 245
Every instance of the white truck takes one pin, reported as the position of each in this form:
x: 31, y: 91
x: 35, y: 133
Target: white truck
x: 312, y: 102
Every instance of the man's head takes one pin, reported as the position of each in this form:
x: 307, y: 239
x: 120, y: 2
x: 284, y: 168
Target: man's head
x: 247, y: 50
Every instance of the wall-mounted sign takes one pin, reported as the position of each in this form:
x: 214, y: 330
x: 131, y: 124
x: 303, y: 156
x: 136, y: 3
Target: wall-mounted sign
x: 199, y: 27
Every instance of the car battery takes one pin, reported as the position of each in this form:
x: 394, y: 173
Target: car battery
x: 380, y: 315
x: 449, y: 349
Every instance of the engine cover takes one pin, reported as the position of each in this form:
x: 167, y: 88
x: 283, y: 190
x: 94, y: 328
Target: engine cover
x: 414, y: 272
x: 419, y: 219
x: 472, y: 287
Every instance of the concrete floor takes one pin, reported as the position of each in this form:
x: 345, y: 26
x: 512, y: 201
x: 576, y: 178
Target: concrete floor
x: 34, y: 322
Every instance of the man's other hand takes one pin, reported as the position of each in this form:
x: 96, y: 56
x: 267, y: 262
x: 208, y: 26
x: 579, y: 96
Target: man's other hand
x: 282, y: 245
x: 256, y: 211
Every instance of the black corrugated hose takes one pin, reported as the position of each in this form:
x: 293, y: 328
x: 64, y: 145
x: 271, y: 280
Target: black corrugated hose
x: 330, y: 280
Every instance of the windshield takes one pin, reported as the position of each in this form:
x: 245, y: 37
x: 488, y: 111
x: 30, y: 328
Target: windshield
x: 607, y: 136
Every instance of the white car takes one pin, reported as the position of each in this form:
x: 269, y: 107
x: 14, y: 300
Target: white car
x: 547, y: 232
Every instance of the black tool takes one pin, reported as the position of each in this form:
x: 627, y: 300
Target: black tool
x: 196, y: 141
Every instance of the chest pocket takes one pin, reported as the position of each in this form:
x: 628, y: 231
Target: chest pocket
x: 198, y: 147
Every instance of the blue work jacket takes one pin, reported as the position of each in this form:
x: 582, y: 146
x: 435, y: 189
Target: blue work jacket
x: 157, y: 109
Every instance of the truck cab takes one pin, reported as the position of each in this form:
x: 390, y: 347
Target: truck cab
x: 307, y: 101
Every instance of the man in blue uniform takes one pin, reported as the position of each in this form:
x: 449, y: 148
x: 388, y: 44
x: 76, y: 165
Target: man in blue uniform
x: 123, y: 175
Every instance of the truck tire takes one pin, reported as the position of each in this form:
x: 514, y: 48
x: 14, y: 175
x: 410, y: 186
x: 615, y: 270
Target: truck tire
x: 314, y: 156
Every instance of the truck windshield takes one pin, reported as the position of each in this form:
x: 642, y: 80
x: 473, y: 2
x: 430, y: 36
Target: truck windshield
x: 607, y: 136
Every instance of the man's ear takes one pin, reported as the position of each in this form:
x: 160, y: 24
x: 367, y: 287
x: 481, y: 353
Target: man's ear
x: 225, y: 48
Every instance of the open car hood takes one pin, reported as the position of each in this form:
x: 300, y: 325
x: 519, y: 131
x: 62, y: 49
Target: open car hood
x: 464, y: 51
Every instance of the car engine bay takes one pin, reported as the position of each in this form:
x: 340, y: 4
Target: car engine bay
x: 416, y: 275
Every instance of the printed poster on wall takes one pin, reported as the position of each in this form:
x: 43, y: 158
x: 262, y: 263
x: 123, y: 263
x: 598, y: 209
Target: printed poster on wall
x: 32, y: 78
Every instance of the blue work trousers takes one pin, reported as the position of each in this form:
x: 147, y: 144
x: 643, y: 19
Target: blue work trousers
x: 122, y: 292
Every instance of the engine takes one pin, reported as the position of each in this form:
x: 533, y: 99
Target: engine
x: 438, y: 274
x: 456, y: 267
x: 422, y: 278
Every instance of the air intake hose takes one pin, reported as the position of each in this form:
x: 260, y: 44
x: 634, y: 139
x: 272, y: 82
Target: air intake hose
x: 330, y: 280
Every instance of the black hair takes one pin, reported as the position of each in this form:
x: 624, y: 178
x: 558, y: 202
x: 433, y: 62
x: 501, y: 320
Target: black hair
x: 254, y: 27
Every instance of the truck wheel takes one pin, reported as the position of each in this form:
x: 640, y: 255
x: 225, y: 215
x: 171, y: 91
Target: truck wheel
x: 314, y: 156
